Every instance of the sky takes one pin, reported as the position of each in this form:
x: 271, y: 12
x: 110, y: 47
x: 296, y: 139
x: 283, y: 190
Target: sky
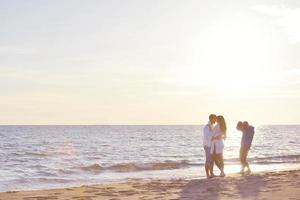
x: 149, y: 62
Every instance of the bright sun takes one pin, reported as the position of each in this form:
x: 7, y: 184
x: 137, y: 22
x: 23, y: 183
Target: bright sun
x: 236, y: 56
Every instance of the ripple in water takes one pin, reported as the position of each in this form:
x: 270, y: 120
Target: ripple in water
x: 59, y: 156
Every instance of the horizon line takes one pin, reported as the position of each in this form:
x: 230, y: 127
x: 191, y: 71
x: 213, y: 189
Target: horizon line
x: 267, y: 124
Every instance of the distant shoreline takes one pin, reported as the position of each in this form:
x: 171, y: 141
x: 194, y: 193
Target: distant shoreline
x: 133, y: 124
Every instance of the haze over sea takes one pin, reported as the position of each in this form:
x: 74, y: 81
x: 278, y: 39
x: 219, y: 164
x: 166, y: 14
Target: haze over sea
x: 33, y: 157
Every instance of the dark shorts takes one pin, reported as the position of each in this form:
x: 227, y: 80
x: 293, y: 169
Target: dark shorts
x: 208, y: 159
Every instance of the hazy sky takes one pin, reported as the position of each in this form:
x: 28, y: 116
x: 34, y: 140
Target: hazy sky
x: 149, y: 61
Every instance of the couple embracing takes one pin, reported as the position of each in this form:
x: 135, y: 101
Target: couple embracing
x: 213, y: 142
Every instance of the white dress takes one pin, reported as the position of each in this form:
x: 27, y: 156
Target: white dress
x: 217, y: 145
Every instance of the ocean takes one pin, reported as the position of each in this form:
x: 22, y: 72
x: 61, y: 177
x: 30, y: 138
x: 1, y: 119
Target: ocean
x: 43, y: 157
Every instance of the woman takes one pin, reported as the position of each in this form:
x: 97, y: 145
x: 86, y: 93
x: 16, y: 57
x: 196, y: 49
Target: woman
x: 217, y: 146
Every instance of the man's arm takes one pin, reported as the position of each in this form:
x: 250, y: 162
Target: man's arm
x: 218, y: 136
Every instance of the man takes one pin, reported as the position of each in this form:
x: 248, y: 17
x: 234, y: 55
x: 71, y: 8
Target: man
x: 207, y: 140
x: 246, y: 142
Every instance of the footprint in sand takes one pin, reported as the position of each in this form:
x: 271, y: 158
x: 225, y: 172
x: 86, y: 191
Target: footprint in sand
x: 108, y: 194
x: 90, y: 191
x: 40, y: 198
x: 84, y: 197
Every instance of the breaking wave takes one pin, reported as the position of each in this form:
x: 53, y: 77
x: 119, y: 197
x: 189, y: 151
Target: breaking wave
x: 134, y: 167
x: 169, y: 165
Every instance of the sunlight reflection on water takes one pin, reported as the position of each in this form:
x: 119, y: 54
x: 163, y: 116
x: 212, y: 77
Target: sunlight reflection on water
x: 58, y: 156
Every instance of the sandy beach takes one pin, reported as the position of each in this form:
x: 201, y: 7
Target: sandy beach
x: 268, y: 185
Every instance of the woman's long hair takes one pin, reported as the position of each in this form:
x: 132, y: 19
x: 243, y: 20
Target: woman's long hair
x: 222, y: 124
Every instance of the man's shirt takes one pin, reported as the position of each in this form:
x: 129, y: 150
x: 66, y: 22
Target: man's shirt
x: 207, y: 135
x: 247, y: 137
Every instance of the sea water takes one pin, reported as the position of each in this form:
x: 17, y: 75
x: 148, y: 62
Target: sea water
x: 38, y: 157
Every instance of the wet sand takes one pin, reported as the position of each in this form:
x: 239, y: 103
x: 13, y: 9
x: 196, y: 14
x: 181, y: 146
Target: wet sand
x: 270, y: 185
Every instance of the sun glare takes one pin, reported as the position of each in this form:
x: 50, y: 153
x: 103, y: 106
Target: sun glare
x: 233, y: 58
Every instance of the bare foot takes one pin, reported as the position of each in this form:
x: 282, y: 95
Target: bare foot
x: 222, y: 174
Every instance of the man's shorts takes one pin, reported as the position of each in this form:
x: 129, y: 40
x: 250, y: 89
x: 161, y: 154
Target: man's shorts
x: 208, y: 159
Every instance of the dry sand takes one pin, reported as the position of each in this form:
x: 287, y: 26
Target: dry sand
x: 271, y: 185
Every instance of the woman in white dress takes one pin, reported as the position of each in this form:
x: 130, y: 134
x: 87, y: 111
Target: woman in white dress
x: 217, y: 146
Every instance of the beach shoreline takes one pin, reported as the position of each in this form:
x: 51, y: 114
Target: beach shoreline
x: 263, y: 185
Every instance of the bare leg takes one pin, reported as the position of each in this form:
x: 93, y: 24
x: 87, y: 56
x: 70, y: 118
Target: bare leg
x: 207, y: 170
x: 243, y: 159
x: 220, y: 161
